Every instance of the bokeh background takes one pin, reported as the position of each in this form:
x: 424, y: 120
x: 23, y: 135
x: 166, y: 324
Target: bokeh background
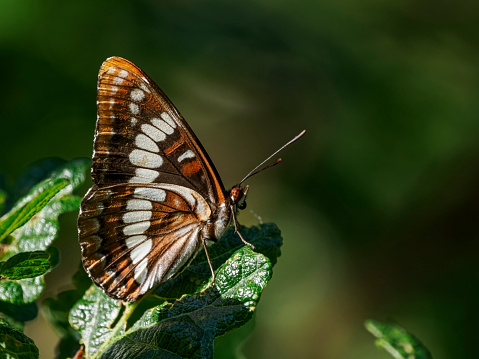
x: 378, y: 203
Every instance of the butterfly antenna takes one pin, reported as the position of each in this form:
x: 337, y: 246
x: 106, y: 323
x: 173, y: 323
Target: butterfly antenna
x: 255, y: 170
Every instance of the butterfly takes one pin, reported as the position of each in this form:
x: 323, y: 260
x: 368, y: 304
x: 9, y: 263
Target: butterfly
x: 157, y: 197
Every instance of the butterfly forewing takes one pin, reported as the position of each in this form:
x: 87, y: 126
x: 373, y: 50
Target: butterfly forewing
x: 156, y: 195
x: 142, y: 137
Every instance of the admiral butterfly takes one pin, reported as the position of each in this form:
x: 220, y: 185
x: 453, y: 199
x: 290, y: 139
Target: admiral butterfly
x: 157, y: 197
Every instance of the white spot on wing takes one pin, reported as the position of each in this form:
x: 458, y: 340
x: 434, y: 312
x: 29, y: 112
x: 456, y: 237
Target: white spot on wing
x: 137, y: 95
x: 162, y: 125
x: 146, y: 143
x: 133, y: 121
x: 153, y: 132
x: 117, y: 80
x: 136, y: 216
x: 184, y: 192
x: 134, y: 108
x: 140, y: 251
x: 134, y: 241
x: 136, y: 228
x: 138, y: 204
x: 168, y: 119
x: 154, y: 194
x: 187, y: 154
x: 144, y: 175
x: 141, y: 271
x: 114, y: 89
x: 112, y: 102
x: 123, y: 73
x: 145, y: 159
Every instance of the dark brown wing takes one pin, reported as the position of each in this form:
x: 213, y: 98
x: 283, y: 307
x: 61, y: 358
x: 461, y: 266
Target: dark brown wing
x: 141, y: 137
x: 135, y: 236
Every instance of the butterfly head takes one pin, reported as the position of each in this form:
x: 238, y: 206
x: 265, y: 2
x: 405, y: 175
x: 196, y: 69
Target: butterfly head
x: 238, y: 196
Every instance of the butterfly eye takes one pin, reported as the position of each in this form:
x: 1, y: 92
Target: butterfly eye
x: 242, y: 205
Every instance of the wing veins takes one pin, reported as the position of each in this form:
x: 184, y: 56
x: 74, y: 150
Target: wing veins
x: 133, y: 266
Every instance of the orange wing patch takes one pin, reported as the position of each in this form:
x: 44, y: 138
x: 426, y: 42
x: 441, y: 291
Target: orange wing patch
x: 191, y: 168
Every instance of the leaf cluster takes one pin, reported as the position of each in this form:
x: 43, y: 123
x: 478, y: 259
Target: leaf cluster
x: 181, y: 318
x: 27, y: 230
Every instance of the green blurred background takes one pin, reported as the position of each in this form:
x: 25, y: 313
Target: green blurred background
x: 378, y: 203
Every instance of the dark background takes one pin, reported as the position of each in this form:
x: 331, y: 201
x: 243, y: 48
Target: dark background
x: 378, y: 203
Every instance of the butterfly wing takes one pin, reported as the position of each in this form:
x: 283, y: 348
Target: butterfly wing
x: 142, y: 137
x: 131, y: 241
x: 135, y: 236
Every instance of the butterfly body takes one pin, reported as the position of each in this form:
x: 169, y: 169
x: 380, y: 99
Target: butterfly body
x: 157, y: 197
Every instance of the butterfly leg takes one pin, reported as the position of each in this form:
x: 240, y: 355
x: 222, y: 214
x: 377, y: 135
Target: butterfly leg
x: 235, y: 222
x: 209, y: 262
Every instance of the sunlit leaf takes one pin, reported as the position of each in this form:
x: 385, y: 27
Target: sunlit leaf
x: 38, y: 198
x: 25, y: 265
x: 93, y: 316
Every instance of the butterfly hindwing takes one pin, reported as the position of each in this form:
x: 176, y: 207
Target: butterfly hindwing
x: 135, y: 236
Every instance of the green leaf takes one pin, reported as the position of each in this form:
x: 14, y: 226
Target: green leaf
x: 25, y: 265
x: 38, y: 198
x: 187, y: 325
x: 21, y: 291
x: 39, y: 232
x: 56, y: 311
x: 14, y: 344
x: 397, y: 341
x: 93, y: 316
